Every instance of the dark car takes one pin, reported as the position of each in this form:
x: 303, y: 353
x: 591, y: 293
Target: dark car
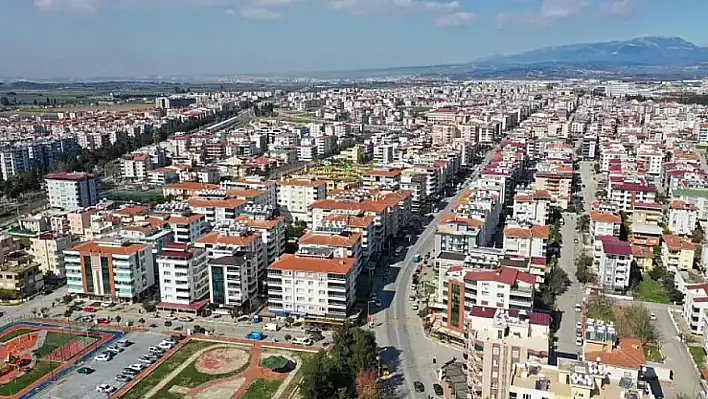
x: 438, y: 389
x: 85, y: 370
x: 419, y: 387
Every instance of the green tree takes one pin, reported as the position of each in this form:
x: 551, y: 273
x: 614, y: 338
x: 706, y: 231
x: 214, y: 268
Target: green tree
x: 321, y: 377
x: 638, y: 317
x: 698, y: 234
x: 295, y: 228
x: 583, y: 223
x: 583, y: 272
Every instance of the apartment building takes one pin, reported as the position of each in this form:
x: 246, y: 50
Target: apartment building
x: 683, y: 217
x: 269, y: 188
x: 604, y: 224
x: 532, y: 207
x: 234, y: 280
x: 183, y: 276
x: 135, y: 167
x: 458, y: 233
x: 497, y: 340
x: 314, y: 284
x: 677, y: 253
x: 272, y: 231
x: 613, y: 260
x: 20, y: 276
x: 462, y: 289
x: 647, y: 213
x: 187, y: 226
x: 217, y: 210
x: 589, y: 148
x: 383, y: 178
x: 112, y: 268
x: 295, y: 196
x: 558, y: 182
x: 625, y: 195
x: 47, y: 249
x: 71, y: 191
x: 695, y: 303
x: 528, y: 241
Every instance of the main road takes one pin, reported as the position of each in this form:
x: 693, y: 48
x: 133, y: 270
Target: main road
x: 399, y: 330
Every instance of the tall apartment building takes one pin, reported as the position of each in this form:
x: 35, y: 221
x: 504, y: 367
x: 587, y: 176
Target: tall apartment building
x: 613, y: 259
x: 135, y: 167
x: 184, y: 275
x: 294, y: 196
x: 113, y: 268
x: 71, y: 191
x: 497, y: 340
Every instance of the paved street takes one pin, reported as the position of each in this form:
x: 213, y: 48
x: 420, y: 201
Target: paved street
x: 398, y: 328
x: 24, y: 310
x: 566, y: 346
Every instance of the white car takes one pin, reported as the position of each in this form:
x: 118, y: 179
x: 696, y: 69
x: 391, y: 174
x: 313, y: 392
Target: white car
x: 414, y: 307
x: 170, y: 317
x: 185, y: 318
x: 578, y: 325
x: 124, y: 342
x: 105, y: 388
x: 579, y: 341
x: 137, y: 367
x: 155, y: 349
x: 653, y: 316
x: 578, y: 307
x: 104, y: 357
x: 114, y: 349
x: 165, y: 345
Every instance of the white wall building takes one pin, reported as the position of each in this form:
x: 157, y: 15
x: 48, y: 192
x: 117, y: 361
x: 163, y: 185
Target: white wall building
x: 294, y: 196
x: 71, y: 191
x: 183, y: 274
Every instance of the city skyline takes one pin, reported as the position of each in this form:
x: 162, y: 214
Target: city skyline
x: 131, y: 38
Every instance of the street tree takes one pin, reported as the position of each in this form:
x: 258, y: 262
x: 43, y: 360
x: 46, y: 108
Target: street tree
x: 321, y: 377
x: 698, y: 234
x: 638, y: 318
x: 367, y: 385
x: 583, y: 271
x: 583, y: 223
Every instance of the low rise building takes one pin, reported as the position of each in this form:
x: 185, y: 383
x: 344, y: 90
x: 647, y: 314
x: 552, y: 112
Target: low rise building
x: 677, y: 253
x: 20, y: 277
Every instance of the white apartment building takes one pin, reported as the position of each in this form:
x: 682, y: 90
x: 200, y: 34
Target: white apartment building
x: 110, y: 269
x: 526, y: 241
x: 695, y: 302
x: 307, y: 153
x: 294, y: 197
x: 183, y: 275
x: 234, y: 280
x: 71, y: 191
x: 312, y: 285
x: 47, y: 249
x: 624, y: 196
x: 604, y: 224
x: 532, y: 207
x: 135, y: 167
x: 683, y: 217
x: 613, y: 260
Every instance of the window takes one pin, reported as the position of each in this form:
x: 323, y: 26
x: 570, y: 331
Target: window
x: 495, y: 351
x: 526, y: 396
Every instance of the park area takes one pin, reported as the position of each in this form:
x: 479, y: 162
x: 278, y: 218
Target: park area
x: 202, y: 369
x: 33, y: 354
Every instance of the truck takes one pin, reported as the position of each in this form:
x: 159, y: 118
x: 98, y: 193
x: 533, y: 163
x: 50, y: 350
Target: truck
x: 271, y: 327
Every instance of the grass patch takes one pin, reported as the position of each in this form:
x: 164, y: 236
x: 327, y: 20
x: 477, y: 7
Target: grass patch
x: 652, y: 291
x: 599, y: 310
x: 54, y: 341
x: 295, y: 382
x: 41, y: 368
x: 430, y: 288
x: 16, y: 333
x: 262, y: 389
x: 161, y: 371
x: 653, y: 353
x: 698, y: 355
x: 191, y: 378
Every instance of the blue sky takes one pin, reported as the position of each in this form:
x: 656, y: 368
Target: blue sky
x: 100, y: 38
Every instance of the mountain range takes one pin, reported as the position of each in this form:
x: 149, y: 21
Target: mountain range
x: 658, y: 57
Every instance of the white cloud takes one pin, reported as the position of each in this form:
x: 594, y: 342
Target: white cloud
x: 266, y: 3
x: 387, y: 6
x: 260, y: 13
x: 619, y: 8
x: 230, y: 11
x: 455, y: 19
x: 549, y: 12
x: 76, y: 5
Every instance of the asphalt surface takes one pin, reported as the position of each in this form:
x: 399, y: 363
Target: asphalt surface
x: 398, y: 328
x: 80, y: 386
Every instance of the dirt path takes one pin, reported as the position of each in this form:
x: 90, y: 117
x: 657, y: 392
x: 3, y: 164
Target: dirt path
x: 179, y: 369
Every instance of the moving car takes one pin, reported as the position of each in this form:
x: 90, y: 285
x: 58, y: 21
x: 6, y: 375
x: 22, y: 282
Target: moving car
x: 419, y: 387
x: 105, y: 388
x: 85, y: 370
x: 438, y: 389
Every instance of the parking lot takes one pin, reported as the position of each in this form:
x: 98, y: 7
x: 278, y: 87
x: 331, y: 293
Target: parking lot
x: 82, y: 386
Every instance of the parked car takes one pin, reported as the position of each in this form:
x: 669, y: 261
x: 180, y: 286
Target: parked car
x: 104, y: 356
x: 578, y: 341
x: 170, y: 316
x: 89, y: 309
x: 146, y: 360
x: 129, y: 372
x: 105, y: 388
x: 438, y: 389
x: 137, y: 366
x: 414, y: 307
x: 123, y: 378
x: 114, y: 349
x: 166, y: 345
x: 185, y: 318
x: 85, y: 370
x: 124, y: 342
x: 257, y: 335
x: 419, y: 387
x: 155, y: 349
x: 653, y: 316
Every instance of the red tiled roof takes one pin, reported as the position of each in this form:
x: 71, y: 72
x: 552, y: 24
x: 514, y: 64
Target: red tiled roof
x: 504, y: 275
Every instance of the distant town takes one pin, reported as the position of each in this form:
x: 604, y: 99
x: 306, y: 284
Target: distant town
x: 467, y: 239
